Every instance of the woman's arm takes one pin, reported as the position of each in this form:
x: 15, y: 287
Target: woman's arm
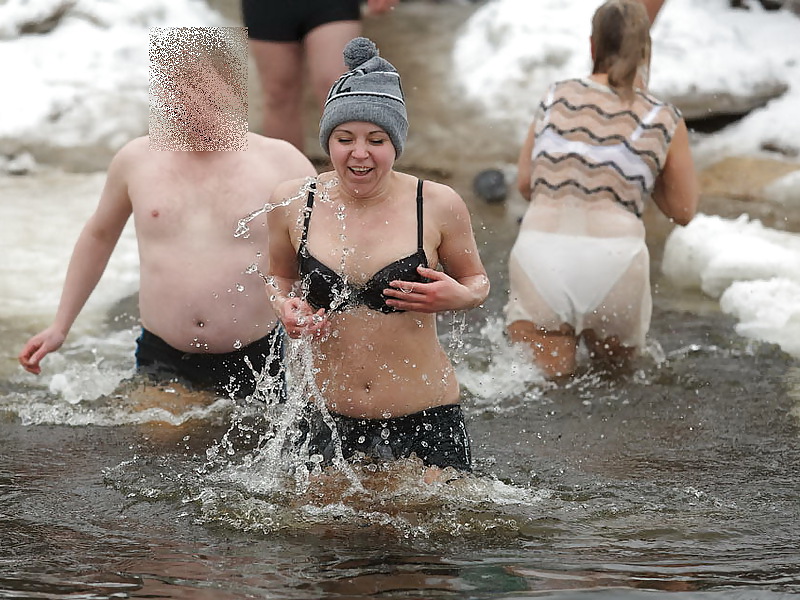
x: 297, y: 317
x: 463, y: 284
x: 677, y: 191
x: 524, y: 167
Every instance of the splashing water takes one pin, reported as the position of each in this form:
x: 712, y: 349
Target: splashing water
x: 243, y: 225
x: 280, y: 461
x: 494, y: 371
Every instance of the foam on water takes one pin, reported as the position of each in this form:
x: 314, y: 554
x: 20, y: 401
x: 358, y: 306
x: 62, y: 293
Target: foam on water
x: 393, y: 498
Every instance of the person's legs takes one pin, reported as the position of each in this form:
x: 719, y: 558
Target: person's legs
x: 280, y: 70
x: 323, y: 47
x: 608, y: 352
x: 555, y: 352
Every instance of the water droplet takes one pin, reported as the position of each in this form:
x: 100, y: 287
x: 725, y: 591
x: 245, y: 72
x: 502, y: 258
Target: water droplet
x: 237, y: 344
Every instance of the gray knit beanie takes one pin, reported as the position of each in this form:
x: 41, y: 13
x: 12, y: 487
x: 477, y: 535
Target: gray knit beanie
x: 370, y: 91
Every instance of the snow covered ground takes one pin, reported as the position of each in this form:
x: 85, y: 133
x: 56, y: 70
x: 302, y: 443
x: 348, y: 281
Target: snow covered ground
x: 81, y: 80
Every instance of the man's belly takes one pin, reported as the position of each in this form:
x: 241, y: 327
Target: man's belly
x: 206, y: 318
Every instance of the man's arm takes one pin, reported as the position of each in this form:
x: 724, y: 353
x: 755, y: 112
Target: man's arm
x: 91, y: 253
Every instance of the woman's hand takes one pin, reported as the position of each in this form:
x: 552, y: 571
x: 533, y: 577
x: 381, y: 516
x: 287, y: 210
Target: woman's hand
x: 300, y: 320
x: 441, y: 293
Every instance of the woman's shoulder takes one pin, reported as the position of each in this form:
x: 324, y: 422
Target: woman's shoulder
x: 439, y: 193
x: 574, y: 84
x: 656, y: 102
x: 442, y: 202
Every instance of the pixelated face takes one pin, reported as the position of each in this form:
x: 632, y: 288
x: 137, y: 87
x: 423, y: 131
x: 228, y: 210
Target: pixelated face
x: 197, y: 99
x: 197, y: 102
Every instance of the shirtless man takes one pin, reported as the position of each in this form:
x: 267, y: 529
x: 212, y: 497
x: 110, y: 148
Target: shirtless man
x: 203, y: 307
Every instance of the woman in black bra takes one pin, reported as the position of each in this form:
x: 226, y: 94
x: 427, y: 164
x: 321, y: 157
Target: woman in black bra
x: 354, y: 257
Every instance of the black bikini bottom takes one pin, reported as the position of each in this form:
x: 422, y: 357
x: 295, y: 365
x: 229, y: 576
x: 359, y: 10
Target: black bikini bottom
x: 437, y: 436
x: 226, y: 373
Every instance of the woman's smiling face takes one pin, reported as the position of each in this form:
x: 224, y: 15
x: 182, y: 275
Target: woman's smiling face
x: 362, y: 155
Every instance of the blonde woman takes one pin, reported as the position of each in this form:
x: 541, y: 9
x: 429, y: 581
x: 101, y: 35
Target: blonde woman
x: 598, y: 148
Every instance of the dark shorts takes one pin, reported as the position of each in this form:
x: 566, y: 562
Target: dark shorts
x: 437, y: 436
x: 227, y: 373
x: 291, y: 20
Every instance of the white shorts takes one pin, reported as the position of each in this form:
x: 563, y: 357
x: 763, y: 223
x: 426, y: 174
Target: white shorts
x: 590, y: 283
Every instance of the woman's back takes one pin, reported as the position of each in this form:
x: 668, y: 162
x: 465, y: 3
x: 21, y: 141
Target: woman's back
x: 592, y: 145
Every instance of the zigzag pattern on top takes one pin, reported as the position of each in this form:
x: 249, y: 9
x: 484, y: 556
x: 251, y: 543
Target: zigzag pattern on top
x: 628, y: 204
x: 637, y: 180
x: 652, y: 100
x: 574, y: 108
x: 589, y: 140
x: 601, y: 140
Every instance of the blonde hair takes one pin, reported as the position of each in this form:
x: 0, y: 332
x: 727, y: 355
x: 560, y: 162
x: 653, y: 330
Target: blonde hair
x: 621, y: 41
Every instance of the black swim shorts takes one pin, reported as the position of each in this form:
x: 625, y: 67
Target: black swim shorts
x: 227, y: 373
x: 437, y: 436
x: 291, y: 20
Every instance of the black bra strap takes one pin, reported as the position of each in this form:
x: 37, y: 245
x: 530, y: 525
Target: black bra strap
x: 307, y: 219
x: 420, y: 228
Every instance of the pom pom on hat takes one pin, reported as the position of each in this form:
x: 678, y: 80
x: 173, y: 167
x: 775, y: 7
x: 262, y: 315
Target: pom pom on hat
x: 369, y: 92
x: 358, y: 51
